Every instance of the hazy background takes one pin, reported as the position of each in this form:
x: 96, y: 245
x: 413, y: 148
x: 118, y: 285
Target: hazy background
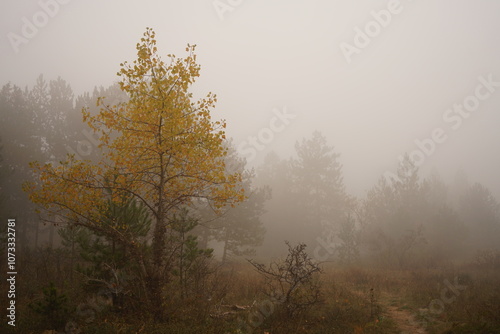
x: 286, y: 54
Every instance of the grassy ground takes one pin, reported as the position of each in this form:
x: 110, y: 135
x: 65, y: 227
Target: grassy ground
x: 354, y: 300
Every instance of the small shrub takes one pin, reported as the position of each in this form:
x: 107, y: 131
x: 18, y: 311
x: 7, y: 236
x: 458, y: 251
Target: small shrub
x: 52, y: 308
x: 292, y: 281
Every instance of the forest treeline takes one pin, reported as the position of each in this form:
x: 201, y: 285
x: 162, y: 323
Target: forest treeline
x: 302, y: 198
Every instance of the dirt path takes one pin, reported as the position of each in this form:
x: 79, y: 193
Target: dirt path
x: 391, y: 306
x: 403, y: 318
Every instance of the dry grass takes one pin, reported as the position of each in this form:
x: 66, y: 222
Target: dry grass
x: 354, y: 300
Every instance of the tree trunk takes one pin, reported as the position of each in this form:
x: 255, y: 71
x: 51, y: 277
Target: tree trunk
x: 224, y: 253
x: 155, y: 280
x: 152, y: 284
x: 181, y: 267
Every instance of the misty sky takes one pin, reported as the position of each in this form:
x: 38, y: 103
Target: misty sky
x: 267, y: 57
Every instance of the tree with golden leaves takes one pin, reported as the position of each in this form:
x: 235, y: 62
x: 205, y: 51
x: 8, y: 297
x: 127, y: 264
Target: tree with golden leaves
x: 159, y: 147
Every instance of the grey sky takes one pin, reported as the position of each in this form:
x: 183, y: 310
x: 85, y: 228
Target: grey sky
x: 287, y: 54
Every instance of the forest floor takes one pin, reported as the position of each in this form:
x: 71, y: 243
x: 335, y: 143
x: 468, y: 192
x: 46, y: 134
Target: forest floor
x: 390, y: 306
x: 354, y: 300
x: 394, y: 308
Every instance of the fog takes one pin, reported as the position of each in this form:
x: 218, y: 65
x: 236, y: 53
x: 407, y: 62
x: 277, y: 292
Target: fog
x: 257, y: 56
x: 362, y: 135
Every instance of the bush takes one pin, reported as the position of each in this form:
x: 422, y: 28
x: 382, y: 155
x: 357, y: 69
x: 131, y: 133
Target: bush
x: 52, y: 308
x: 292, y: 281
